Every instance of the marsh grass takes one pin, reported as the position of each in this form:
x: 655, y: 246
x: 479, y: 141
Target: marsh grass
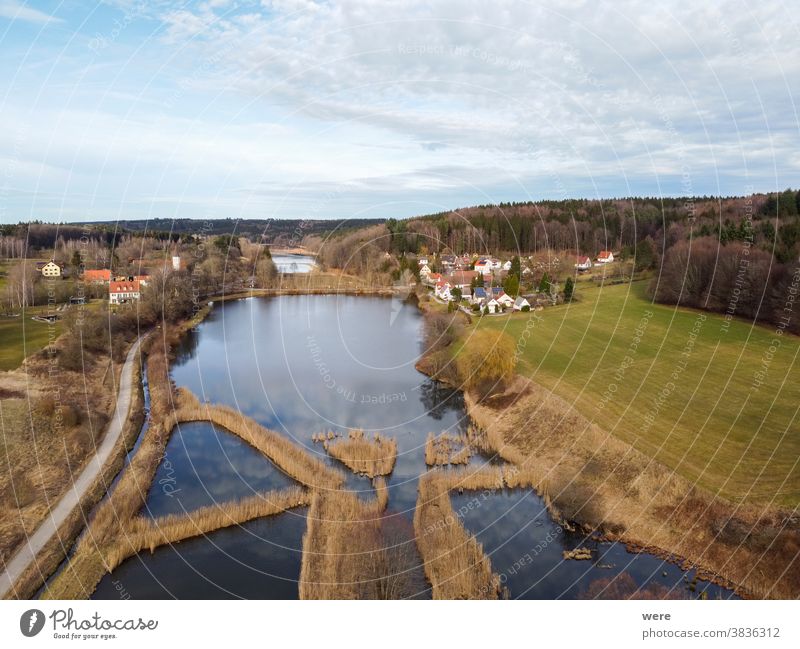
x: 371, y: 457
x: 289, y: 457
x: 454, y: 561
x: 147, y: 534
x: 114, y: 530
x: 352, y: 549
x: 447, y: 448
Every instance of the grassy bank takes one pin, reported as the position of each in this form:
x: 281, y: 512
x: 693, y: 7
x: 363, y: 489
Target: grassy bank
x: 54, y: 552
x: 706, y: 414
x: 590, y: 477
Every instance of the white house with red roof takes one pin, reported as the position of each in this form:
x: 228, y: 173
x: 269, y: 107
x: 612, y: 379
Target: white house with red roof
x: 605, y: 257
x: 583, y: 263
x: 442, y: 290
x: 121, y: 292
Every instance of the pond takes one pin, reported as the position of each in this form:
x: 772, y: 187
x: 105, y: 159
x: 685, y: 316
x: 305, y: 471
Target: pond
x: 302, y: 365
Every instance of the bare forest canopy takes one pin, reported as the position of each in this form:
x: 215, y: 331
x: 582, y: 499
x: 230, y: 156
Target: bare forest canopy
x: 588, y: 226
x: 277, y: 231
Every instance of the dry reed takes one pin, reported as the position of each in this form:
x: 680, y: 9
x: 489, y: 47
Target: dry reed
x: 447, y: 448
x: 369, y: 457
x: 453, y: 559
x: 592, y: 478
x: 352, y: 550
x: 144, y: 533
x: 291, y: 458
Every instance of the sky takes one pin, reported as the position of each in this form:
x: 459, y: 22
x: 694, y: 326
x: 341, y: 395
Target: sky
x: 302, y: 109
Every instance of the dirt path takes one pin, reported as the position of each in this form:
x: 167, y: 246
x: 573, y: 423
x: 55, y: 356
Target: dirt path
x: 26, y: 554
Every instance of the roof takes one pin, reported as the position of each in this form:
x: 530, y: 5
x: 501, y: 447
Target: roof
x: 604, y: 254
x: 479, y: 292
x: 463, y: 276
x: 435, y: 276
x: 521, y: 300
x: 124, y: 287
x: 497, y: 291
x: 584, y: 260
x: 95, y: 275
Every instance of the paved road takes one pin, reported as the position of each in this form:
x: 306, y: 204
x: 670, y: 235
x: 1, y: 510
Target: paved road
x: 25, y: 555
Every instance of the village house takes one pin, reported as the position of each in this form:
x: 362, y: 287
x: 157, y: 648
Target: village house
x: 478, y: 295
x: 490, y: 305
x: 520, y: 303
x: 583, y: 263
x: 49, y: 269
x: 422, y: 261
x: 121, y: 292
x: 442, y: 290
x: 462, y: 279
x: 605, y: 257
x: 424, y: 271
x: 507, y: 266
x: 431, y: 279
x: 503, y: 298
x: 483, y: 266
x: 100, y: 276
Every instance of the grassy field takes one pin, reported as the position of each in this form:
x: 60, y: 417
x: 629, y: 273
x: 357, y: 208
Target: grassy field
x: 686, y: 394
x: 20, y: 337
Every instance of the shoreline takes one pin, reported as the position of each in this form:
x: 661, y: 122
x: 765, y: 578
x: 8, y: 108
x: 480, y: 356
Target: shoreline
x: 556, y: 514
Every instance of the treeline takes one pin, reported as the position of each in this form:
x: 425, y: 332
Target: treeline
x: 736, y: 279
x: 277, y: 231
x: 587, y: 226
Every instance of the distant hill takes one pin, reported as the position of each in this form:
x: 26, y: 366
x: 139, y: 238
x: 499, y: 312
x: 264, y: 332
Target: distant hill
x: 270, y: 230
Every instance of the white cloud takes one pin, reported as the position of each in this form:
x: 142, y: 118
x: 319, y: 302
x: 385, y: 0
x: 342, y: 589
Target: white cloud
x: 292, y: 98
x: 21, y: 11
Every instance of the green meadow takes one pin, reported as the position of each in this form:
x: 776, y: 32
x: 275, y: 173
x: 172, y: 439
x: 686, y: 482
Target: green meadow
x: 20, y: 337
x: 712, y: 401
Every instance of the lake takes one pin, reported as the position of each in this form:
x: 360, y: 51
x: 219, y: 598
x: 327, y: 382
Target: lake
x: 305, y: 364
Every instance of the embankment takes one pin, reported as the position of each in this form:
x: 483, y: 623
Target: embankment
x: 606, y: 486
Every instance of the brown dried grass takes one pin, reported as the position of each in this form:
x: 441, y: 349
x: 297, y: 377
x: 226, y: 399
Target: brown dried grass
x: 353, y: 550
x: 454, y: 561
x: 291, y: 458
x: 371, y: 457
x: 144, y: 533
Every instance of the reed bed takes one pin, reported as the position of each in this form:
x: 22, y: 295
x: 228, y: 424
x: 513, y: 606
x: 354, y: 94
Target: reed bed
x: 454, y: 561
x: 447, y: 448
x: 353, y: 550
x: 144, y: 533
x: 371, y: 457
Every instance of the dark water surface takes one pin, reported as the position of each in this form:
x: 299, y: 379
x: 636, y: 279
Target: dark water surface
x: 305, y: 364
x: 525, y: 547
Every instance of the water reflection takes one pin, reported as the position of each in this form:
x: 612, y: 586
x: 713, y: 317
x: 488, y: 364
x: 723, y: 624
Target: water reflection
x: 526, y: 549
x: 204, y: 465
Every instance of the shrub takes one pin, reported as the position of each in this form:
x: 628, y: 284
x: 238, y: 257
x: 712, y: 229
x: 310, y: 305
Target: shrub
x: 487, y: 358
